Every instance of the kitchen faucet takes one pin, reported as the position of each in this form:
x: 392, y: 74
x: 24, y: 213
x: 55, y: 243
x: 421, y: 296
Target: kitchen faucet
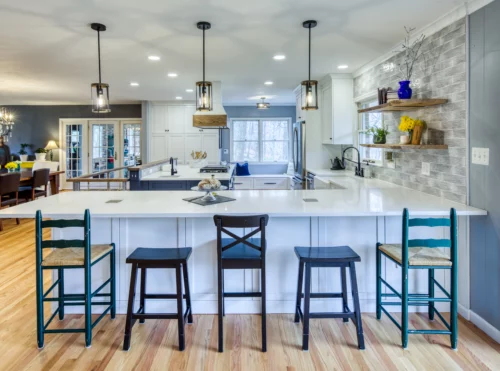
x: 358, y: 171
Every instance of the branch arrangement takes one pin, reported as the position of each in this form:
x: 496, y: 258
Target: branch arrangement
x: 412, y: 54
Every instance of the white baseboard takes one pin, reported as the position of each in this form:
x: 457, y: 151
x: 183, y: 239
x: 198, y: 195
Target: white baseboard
x: 464, y: 311
x: 484, y: 325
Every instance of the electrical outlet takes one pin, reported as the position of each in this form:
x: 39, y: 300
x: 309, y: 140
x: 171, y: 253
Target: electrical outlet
x: 426, y: 168
x: 226, y: 151
x: 481, y: 156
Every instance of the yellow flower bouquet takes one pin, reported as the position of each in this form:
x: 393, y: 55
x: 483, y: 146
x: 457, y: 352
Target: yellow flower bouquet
x: 409, y: 125
x: 11, y: 166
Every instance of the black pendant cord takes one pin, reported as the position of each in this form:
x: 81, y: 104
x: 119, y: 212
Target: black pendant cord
x: 99, y: 54
x: 203, y: 57
x: 309, y: 53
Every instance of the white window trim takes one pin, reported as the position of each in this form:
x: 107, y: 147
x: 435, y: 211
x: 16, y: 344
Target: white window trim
x: 359, y: 130
x: 260, y: 119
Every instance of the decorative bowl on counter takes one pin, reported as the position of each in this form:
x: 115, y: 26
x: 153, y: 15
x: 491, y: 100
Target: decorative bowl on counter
x: 209, y: 186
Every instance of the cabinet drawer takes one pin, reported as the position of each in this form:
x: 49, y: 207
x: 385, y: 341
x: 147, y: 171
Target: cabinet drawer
x: 243, y: 183
x: 270, y: 183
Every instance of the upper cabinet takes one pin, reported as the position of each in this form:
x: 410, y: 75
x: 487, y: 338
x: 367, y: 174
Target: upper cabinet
x: 338, y: 110
x: 159, y: 119
x: 173, y: 119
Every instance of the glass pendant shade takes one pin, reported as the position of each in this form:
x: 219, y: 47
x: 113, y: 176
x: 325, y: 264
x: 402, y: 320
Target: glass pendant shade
x: 100, y: 97
x: 204, y: 97
x: 263, y: 104
x: 309, y: 95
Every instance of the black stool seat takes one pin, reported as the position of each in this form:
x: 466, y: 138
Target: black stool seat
x: 334, y: 254
x: 143, y: 258
x: 241, y: 250
x: 158, y: 255
x: 342, y: 257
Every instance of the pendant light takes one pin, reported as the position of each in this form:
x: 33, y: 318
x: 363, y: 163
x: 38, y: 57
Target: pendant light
x: 263, y: 104
x: 204, y: 99
x: 309, y: 88
x: 98, y: 90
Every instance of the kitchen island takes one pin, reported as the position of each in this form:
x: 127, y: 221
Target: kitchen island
x: 356, y: 217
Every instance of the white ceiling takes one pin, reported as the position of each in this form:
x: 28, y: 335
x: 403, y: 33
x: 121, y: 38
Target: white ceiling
x: 49, y: 53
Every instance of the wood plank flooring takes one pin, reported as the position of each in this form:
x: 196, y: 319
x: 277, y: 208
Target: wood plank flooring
x: 154, y: 344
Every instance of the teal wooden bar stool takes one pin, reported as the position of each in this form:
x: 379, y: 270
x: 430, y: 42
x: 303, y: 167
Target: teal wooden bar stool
x: 422, y: 254
x: 71, y: 254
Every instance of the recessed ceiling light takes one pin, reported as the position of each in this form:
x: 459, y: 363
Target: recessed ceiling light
x: 154, y: 58
x: 172, y: 74
x: 178, y: 98
x: 189, y: 90
x: 342, y: 66
x: 279, y: 57
x: 268, y: 83
x: 134, y: 84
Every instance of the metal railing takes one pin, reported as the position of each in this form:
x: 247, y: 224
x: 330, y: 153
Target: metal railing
x: 100, y: 178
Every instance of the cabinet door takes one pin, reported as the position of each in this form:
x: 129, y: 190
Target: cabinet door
x: 175, y: 147
x: 192, y: 142
x: 159, y: 147
x: 344, y: 111
x: 210, y: 144
x: 188, y: 120
x: 298, y: 108
x: 326, y: 115
x: 159, y: 119
x: 175, y: 119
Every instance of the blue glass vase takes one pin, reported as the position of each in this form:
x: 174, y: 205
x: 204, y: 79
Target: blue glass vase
x: 404, y: 91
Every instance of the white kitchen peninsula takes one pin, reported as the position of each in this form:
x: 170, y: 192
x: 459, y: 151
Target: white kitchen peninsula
x: 356, y: 217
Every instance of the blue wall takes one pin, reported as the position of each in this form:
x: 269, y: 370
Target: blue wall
x: 252, y: 112
x: 484, y: 130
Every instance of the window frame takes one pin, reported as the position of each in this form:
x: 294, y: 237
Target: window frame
x: 260, y: 140
x: 360, y: 130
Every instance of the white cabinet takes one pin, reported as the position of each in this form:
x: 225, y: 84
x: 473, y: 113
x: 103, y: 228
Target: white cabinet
x: 158, y: 147
x: 188, y: 120
x: 176, y: 119
x: 159, y: 119
x: 210, y: 145
x: 241, y: 182
x: 338, y: 111
x: 250, y: 182
x: 175, y: 147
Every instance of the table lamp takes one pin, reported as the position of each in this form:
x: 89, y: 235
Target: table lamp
x: 51, y: 145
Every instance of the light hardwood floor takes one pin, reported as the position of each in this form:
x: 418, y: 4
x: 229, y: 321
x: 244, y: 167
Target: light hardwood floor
x: 154, y: 344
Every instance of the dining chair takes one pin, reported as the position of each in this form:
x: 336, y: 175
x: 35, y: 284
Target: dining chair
x: 9, y: 187
x: 40, y: 179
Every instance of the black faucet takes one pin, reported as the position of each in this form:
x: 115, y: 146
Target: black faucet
x: 358, y: 171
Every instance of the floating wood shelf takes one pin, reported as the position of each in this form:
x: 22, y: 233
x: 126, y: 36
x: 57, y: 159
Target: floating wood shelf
x: 404, y: 105
x: 406, y: 146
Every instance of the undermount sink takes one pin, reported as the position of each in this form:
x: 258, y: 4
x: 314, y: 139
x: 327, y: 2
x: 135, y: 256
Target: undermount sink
x: 170, y: 176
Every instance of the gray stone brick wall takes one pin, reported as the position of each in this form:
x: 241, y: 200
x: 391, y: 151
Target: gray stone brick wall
x: 441, y: 73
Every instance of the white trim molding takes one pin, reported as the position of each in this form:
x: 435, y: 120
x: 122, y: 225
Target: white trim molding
x: 431, y: 28
x: 484, y: 325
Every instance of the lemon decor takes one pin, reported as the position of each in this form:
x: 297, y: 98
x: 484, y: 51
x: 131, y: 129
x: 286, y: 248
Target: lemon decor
x: 11, y: 166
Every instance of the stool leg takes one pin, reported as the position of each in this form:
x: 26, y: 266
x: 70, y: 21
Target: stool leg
x: 357, y: 309
x: 307, y: 301
x: 39, y: 305
x: 130, y: 308
x: 180, y: 314
x: 431, y: 292
x: 112, y: 269
x: 223, y: 301
x: 88, y: 306
x: 344, y: 293
x: 142, y: 301
x: 299, y: 292
x: 220, y: 307
x: 188, y: 292
x: 454, y: 305
x: 379, y: 282
x: 60, y: 289
x: 404, y: 305
x: 263, y: 303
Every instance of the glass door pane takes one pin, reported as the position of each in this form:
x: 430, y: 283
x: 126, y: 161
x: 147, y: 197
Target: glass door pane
x: 131, y: 145
x: 73, y: 150
x: 102, y: 147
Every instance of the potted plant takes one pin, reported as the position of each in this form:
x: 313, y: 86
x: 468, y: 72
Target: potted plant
x: 407, y: 124
x: 412, y: 53
x: 40, y: 154
x: 23, y: 153
x: 379, y: 134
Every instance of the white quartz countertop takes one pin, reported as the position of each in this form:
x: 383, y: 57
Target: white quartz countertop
x: 185, y: 172
x: 328, y: 172
x: 276, y: 203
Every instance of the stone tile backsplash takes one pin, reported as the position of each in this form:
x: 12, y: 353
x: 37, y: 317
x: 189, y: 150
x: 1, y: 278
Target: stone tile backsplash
x: 441, y: 73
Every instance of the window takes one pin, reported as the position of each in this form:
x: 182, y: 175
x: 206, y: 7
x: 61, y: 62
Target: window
x: 260, y: 140
x: 366, y: 121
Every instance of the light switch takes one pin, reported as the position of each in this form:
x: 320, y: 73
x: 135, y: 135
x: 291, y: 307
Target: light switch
x: 426, y: 168
x: 226, y: 151
x: 481, y: 156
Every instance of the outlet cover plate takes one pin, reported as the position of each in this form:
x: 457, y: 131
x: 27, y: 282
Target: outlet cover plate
x: 480, y: 156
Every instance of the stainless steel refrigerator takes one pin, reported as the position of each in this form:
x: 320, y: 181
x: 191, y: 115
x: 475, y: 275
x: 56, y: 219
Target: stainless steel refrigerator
x: 300, y: 180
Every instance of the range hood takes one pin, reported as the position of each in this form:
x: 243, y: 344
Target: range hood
x: 217, y: 118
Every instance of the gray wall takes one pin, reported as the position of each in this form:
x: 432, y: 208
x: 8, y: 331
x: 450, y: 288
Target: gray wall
x: 252, y: 112
x: 485, y: 180
x: 440, y: 74
x: 39, y: 124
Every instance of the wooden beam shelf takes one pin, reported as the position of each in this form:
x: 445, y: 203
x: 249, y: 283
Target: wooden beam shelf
x: 404, y: 105
x: 406, y: 146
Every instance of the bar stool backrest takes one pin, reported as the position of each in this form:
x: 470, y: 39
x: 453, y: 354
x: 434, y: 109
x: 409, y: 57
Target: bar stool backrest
x: 40, y: 178
x: 9, y: 183
x: 251, y: 221
x: 41, y: 244
x: 451, y: 242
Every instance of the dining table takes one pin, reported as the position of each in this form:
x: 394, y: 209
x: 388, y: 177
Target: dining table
x: 27, y: 175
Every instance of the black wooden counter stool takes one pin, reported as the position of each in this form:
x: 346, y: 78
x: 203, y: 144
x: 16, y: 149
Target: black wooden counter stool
x: 241, y: 253
x: 327, y: 257
x: 72, y: 254
x: 153, y: 258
